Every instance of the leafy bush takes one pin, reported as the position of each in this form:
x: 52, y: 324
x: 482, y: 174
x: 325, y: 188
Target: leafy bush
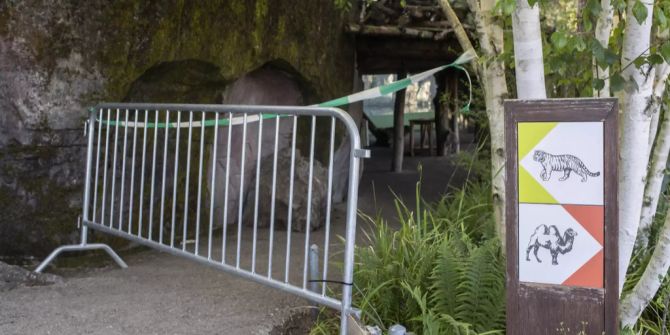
x: 440, y: 272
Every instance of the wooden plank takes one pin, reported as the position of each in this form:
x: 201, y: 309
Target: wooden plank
x: 440, y: 114
x: 534, y: 308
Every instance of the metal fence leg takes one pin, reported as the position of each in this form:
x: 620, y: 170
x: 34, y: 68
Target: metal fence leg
x: 81, y: 247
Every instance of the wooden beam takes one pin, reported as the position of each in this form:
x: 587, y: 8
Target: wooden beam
x: 455, y: 113
x: 395, y: 31
x: 398, y: 129
x: 440, y: 114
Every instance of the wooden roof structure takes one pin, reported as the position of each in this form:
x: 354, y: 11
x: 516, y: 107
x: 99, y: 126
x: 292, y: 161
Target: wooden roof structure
x: 394, y: 37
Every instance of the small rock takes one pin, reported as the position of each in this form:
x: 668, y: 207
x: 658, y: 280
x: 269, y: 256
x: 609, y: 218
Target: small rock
x: 12, y: 276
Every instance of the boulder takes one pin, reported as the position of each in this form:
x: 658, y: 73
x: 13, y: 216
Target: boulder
x: 300, y: 194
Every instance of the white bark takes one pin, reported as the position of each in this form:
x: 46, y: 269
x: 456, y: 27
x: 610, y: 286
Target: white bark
x: 634, y: 129
x: 491, y: 70
x: 659, y: 157
x: 491, y: 41
x: 528, y: 51
x: 603, y: 32
x: 634, y: 303
x: 662, y: 71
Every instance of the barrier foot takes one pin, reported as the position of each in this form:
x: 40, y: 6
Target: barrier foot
x: 81, y: 247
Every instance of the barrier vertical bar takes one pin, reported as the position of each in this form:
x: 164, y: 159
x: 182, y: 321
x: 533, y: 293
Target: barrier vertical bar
x: 350, y: 234
x: 132, y: 176
x: 123, y: 169
x: 212, y: 190
x: 153, y: 178
x: 188, y: 177
x: 272, y: 198
x: 308, y: 223
x: 176, y: 174
x: 202, y: 153
x: 165, y: 150
x: 329, y: 199
x: 104, y: 172
x: 97, y: 165
x: 258, y: 177
x: 116, y: 140
x: 290, y: 201
x: 87, y: 178
x: 144, y: 163
x: 241, y: 194
x: 225, y: 190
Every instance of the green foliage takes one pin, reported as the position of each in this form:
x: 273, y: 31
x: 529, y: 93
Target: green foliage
x: 640, y: 11
x: 655, y: 317
x: 343, y: 5
x: 441, y: 271
x: 570, y: 48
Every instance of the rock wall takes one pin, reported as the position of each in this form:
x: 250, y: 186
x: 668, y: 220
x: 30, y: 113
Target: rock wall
x: 57, y: 57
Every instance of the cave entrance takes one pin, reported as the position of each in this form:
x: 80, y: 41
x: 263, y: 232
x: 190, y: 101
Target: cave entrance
x: 183, y: 81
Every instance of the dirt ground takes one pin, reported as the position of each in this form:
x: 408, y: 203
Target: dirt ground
x: 164, y: 294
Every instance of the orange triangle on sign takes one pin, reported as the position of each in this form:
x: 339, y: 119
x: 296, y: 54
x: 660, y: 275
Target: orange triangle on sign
x: 592, y: 218
x: 590, y: 274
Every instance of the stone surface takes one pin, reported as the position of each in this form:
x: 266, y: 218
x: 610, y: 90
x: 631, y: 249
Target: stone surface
x: 12, y: 276
x: 58, y: 57
x: 300, y: 201
x: 266, y: 86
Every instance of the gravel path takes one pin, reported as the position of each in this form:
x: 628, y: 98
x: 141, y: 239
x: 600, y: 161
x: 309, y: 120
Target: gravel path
x: 157, y: 294
x: 164, y: 294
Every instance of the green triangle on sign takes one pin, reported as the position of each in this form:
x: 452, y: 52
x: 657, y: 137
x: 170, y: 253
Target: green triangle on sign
x: 530, y: 134
x: 530, y: 190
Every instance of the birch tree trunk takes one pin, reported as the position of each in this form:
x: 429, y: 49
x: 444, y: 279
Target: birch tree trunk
x: 634, y: 303
x: 491, y: 42
x: 603, y: 32
x: 491, y: 71
x: 659, y: 158
x: 634, y: 132
x: 529, y: 64
x: 661, y: 70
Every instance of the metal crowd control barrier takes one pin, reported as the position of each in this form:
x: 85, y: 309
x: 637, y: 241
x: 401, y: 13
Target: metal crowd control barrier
x: 147, y: 200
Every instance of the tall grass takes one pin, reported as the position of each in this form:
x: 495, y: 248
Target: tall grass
x: 441, y: 269
x: 440, y: 272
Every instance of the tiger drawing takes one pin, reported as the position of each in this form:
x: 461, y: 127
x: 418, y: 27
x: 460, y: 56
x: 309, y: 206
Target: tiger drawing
x: 565, y: 163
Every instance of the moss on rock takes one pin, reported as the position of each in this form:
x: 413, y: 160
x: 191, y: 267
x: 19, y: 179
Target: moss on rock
x: 65, y: 55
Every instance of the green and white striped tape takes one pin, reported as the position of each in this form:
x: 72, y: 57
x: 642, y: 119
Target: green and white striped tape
x: 368, y: 94
x: 402, y: 84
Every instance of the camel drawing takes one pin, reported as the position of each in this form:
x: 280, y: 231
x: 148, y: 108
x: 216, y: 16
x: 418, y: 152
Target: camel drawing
x: 549, y: 237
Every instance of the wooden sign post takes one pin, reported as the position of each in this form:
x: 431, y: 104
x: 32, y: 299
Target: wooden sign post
x: 561, y: 216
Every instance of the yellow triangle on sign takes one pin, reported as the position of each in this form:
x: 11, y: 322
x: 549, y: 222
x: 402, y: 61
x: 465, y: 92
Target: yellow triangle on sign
x: 530, y: 134
x: 530, y: 190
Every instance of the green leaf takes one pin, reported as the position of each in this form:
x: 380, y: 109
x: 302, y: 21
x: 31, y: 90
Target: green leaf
x: 661, y: 19
x: 598, y: 84
x: 617, y: 83
x: 638, y: 62
x: 655, y: 59
x: 619, y: 5
x: 665, y: 51
x: 610, y: 56
x: 594, y: 7
x: 588, y: 25
x: 508, y: 6
x: 598, y: 52
x: 640, y: 11
x: 559, y: 39
x: 532, y: 3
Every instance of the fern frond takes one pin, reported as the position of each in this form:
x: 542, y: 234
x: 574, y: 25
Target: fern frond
x: 481, y: 294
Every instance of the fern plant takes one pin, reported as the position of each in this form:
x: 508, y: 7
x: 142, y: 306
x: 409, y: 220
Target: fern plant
x: 440, y: 272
